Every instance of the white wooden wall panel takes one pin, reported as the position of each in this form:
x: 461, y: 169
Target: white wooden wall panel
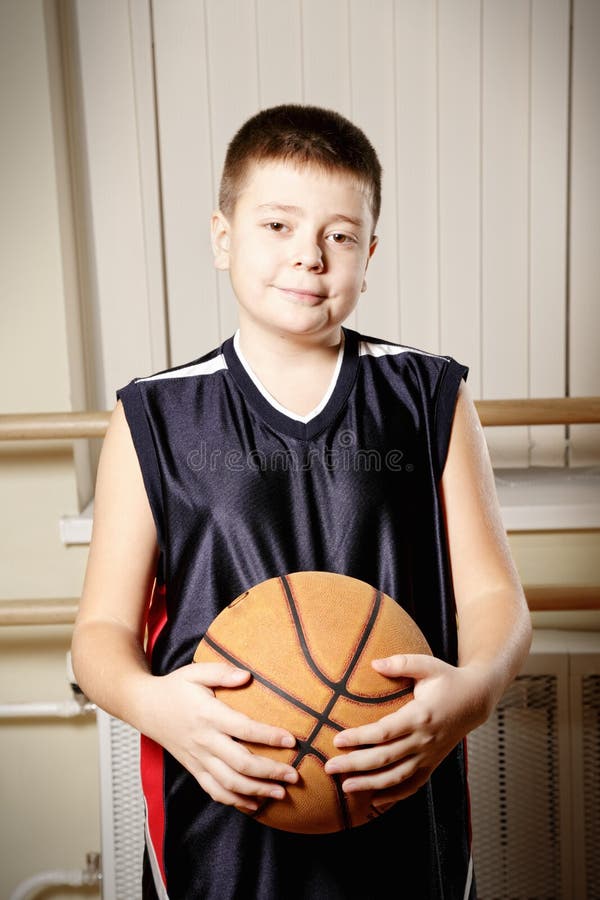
x: 233, y: 79
x: 548, y: 217
x: 505, y: 213
x: 459, y: 149
x: 187, y: 177
x: 327, y: 76
x: 326, y: 54
x: 372, y: 59
x: 584, y: 287
x: 466, y: 103
x: 119, y: 199
x: 279, y: 41
x: 417, y: 173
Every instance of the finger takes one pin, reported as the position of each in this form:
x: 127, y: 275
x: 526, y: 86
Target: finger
x: 408, y: 665
x: 389, y: 728
x: 222, y: 795
x: 384, y: 800
x: 404, y: 790
x: 367, y: 759
x: 382, y: 778
x: 241, y: 785
x: 244, y: 728
x: 252, y: 765
x: 217, y: 674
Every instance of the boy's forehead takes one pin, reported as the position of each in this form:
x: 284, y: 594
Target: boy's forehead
x: 285, y: 183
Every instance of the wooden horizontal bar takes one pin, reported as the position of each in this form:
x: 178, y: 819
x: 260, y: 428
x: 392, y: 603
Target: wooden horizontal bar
x: 540, y: 598
x: 557, y: 597
x: 49, y: 426
x: 38, y: 612
x: 544, y: 411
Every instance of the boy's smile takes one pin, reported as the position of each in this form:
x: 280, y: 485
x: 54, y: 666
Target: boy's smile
x: 297, y: 248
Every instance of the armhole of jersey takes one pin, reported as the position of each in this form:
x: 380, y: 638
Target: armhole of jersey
x: 131, y: 398
x: 445, y: 404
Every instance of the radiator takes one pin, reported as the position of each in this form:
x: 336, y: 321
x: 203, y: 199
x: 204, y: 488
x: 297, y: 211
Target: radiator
x: 534, y: 777
x: 534, y: 780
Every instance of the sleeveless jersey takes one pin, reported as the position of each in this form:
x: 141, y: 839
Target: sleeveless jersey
x: 242, y: 490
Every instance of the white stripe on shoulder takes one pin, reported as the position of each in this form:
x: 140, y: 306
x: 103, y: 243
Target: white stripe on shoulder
x: 202, y: 368
x: 366, y: 348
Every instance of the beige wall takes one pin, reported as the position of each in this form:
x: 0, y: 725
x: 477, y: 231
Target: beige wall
x: 48, y: 778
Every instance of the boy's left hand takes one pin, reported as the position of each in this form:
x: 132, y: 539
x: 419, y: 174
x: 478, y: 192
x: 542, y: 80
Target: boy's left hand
x: 407, y: 745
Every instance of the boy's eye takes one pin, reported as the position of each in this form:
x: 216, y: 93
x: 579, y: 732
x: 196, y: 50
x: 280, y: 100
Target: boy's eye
x: 338, y: 238
x: 275, y: 226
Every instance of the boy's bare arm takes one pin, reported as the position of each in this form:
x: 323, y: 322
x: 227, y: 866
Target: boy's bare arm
x: 178, y: 710
x: 494, y: 634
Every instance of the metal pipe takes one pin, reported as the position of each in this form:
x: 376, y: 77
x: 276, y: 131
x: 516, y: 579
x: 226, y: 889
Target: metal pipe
x: 88, y: 877
x: 54, y: 709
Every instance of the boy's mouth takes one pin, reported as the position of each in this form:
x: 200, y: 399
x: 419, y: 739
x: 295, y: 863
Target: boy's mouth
x: 302, y: 296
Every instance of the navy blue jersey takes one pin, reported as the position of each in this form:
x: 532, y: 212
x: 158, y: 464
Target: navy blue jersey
x: 243, y: 490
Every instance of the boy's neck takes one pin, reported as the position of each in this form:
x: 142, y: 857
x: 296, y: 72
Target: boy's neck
x: 296, y: 371
x: 275, y: 351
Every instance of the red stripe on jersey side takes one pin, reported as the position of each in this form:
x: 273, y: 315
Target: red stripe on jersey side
x: 151, y: 753
x: 157, y: 617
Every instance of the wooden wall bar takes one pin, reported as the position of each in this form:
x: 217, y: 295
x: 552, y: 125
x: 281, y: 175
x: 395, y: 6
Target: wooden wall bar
x: 527, y: 411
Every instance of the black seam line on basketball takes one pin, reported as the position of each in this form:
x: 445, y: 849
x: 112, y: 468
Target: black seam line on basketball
x: 322, y: 718
x: 343, y: 801
x: 340, y: 686
x: 265, y: 681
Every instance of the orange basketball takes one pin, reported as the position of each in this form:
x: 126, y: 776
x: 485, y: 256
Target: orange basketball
x: 308, y: 639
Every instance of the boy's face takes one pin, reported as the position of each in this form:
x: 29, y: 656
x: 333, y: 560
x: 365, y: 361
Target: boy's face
x: 297, y: 248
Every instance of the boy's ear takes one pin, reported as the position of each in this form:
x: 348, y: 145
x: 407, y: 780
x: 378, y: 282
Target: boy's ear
x: 219, y: 230
x: 372, y: 246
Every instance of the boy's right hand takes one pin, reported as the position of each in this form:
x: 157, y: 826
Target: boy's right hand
x: 203, y: 734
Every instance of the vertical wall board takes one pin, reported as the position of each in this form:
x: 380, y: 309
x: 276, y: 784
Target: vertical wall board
x: 183, y: 104
x: 112, y: 196
x: 326, y: 54
x: 233, y: 98
x: 459, y: 104
x: 548, y: 218
x: 373, y: 110
x: 417, y: 167
x: 584, y: 287
x: 505, y: 212
x: 327, y: 76
x: 142, y: 58
x: 279, y: 51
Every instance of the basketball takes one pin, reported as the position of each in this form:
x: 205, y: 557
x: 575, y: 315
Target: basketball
x: 308, y: 639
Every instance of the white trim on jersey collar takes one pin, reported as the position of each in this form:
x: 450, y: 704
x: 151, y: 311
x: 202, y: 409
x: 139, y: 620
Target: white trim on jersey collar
x: 271, y: 399
x: 215, y: 364
x: 367, y: 348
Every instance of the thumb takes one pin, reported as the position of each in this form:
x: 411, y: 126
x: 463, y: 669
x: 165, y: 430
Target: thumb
x: 408, y: 665
x: 217, y: 674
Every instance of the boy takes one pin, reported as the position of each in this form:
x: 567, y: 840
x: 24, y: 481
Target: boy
x: 191, y: 476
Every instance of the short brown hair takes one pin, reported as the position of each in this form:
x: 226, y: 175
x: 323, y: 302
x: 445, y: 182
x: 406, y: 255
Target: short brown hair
x: 308, y: 135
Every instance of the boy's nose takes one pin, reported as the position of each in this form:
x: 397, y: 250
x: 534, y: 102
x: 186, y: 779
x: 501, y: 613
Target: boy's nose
x: 309, y: 259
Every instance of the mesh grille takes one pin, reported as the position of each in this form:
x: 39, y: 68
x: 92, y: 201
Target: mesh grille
x: 127, y: 814
x: 591, y: 780
x: 514, y: 783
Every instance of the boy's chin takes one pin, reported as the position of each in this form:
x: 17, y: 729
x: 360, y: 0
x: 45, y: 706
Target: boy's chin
x: 308, y: 323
